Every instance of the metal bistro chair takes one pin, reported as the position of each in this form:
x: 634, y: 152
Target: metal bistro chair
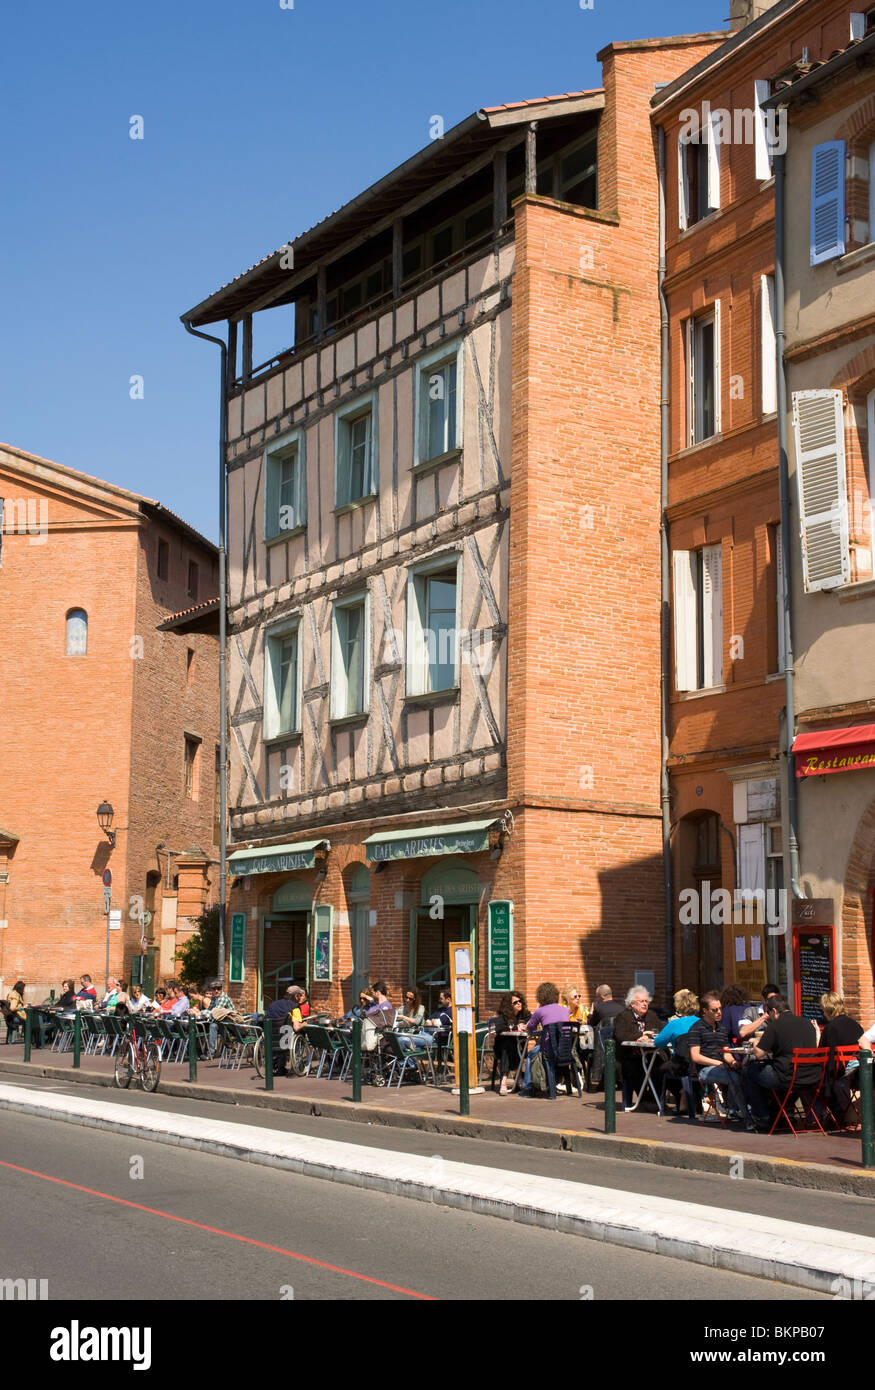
x: 412, y: 1057
x: 805, y: 1091
x: 63, y: 1039
x: 841, y: 1087
x: 94, y: 1028
x: 328, y: 1043
x: 237, y: 1044
x: 116, y: 1030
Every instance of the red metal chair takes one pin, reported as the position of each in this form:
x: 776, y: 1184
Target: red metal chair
x: 837, y: 1072
x: 803, y: 1057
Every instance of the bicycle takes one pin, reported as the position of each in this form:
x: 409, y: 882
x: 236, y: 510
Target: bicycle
x: 300, y: 1054
x: 140, y: 1058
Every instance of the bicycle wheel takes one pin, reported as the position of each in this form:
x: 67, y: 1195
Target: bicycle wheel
x: 300, y: 1055
x: 125, y: 1064
x: 151, y: 1073
x: 258, y: 1056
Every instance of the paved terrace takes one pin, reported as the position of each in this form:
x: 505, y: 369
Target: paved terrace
x: 829, y: 1162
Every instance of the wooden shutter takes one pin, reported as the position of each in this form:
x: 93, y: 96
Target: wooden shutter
x: 752, y: 857
x: 683, y: 186
x: 684, y: 567
x: 827, y: 201
x: 767, y: 344
x: 762, y: 153
x: 713, y: 160
x: 712, y: 614
x: 820, y: 478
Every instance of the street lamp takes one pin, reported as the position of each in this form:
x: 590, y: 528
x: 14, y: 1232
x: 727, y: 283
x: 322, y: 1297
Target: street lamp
x: 105, y: 814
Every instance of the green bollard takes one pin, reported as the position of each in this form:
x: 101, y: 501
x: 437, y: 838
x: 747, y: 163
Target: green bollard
x: 357, y: 1059
x: 464, y: 1098
x: 28, y: 1032
x: 52, y: 995
x: 610, y: 1086
x: 77, y: 1038
x: 866, y: 1106
x: 192, y: 1050
x: 268, y: 1054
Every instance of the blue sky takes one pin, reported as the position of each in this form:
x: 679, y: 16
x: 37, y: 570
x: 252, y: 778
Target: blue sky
x: 258, y: 121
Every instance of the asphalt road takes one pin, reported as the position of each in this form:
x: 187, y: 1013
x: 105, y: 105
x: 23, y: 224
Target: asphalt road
x: 108, y: 1217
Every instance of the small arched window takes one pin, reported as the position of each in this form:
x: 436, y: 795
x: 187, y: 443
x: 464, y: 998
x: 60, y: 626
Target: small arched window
x: 77, y: 632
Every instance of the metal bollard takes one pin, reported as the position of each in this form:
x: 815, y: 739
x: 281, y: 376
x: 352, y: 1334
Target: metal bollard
x: 464, y: 1099
x: 192, y: 1050
x: 28, y: 1032
x: 610, y: 1086
x: 77, y: 1038
x: 866, y: 1107
x: 357, y: 1059
x: 268, y: 1054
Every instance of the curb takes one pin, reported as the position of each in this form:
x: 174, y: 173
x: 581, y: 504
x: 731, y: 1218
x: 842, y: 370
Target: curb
x: 803, y: 1256
x: 820, y: 1177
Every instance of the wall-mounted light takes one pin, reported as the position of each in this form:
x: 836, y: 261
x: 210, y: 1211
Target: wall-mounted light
x: 105, y: 815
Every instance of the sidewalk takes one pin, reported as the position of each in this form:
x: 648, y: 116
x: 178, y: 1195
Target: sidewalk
x: 830, y: 1162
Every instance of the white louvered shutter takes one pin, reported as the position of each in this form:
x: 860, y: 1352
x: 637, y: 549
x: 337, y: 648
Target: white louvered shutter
x: 823, y: 498
x: 767, y: 342
x: 762, y: 153
x: 827, y: 201
x: 713, y: 160
x: 712, y: 614
x: 684, y: 567
x: 683, y: 186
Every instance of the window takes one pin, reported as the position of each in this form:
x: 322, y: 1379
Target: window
x: 698, y: 618
x: 703, y: 369
x: 439, y: 407
x: 163, y: 560
x: 190, y: 768
x: 77, y: 632
x: 827, y: 201
x: 349, y: 656
x: 192, y: 579
x: 355, y: 465
x: 768, y: 363
x: 698, y: 173
x: 281, y: 695
x: 432, y: 629
x: 821, y: 481
x: 577, y: 174
x: 285, y: 493
x: 762, y: 144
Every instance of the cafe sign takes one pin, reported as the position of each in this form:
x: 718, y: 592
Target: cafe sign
x: 467, y: 837
x: 500, y: 932
x: 238, y: 947
x: 281, y: 859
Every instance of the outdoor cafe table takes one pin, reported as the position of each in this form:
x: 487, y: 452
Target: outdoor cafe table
x: 649, y: 1058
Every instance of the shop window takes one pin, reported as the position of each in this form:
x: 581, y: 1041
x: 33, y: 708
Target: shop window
x: 77, y: 632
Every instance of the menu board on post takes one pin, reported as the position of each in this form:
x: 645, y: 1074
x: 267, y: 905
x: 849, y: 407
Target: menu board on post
x: 462, y: 991
x: 500, y: 946
x: 813, y: 967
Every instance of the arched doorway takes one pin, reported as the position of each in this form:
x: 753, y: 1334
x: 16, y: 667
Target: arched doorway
x: 358, y: 896
x: 699, y: 868
x: 449, y: 896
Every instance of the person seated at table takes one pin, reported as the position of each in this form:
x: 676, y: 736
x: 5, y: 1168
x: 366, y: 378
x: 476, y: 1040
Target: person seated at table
x: 549, y: 1010
x: 15, y: 1006
x: 411, y: 1015
x: 380, y: 1010
x: 284, y: 1013
x: 839, y: 1030
x: 443, y: 1017
x: 67, y: 997
x: 509, y: 1024
x: 754, y: 1019
x: 179, y: 1005
x: 606, y: 1007
x: 736, y: 1010
x: 773, y: 1069
x: 122, y: 1003
x: 686, y: 1012
x: 161, y: 1003
x: 138, y: 1002
x: 709, y: 1051
x: 88, y: 994
x: 570, y: 998
x: 636, y: 1022
x: 108, y: 1001
x: 356, y: 1010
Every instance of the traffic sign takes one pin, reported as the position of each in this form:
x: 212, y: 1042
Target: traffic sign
x: 107, y: 878
x: 115, y: 919
x: 107, y: 898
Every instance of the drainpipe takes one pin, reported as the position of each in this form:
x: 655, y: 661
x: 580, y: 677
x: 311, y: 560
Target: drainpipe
x: 223, y: 619
x: 788, y: 726
x: 664, y: 609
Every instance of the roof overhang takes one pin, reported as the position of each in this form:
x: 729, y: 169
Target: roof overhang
x: 861, y: 49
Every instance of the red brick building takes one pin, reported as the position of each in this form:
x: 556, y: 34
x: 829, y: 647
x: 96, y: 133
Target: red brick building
x: 108, y: 692
x: 444, y: 592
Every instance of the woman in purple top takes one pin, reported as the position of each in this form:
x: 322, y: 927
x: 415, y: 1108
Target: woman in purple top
x: 549, y: 1010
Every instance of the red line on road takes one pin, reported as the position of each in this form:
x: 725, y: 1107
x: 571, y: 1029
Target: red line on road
x: 217, y: 1231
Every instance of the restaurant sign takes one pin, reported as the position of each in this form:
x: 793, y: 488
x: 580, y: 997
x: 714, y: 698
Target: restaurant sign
x: 835, y: 750
x: 238, y: 947
x: 500, y: 946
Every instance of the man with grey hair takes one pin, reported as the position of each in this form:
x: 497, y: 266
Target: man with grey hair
x: 636, y: 1023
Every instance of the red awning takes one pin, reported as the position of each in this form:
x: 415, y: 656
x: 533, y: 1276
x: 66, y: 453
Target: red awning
x: 835, y: 750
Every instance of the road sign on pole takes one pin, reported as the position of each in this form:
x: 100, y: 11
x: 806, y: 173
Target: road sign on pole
x: 107, y: 899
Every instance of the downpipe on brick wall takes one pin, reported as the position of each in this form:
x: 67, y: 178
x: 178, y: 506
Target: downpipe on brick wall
x: 664, y: 609
x: 223, y: 620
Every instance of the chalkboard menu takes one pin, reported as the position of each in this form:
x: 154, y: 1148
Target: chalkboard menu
x: 814, y: 962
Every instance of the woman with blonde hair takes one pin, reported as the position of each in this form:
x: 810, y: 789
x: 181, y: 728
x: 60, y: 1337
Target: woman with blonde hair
x: 570, y: 997
x: 686, y: 1005
x: 839, y: 1030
